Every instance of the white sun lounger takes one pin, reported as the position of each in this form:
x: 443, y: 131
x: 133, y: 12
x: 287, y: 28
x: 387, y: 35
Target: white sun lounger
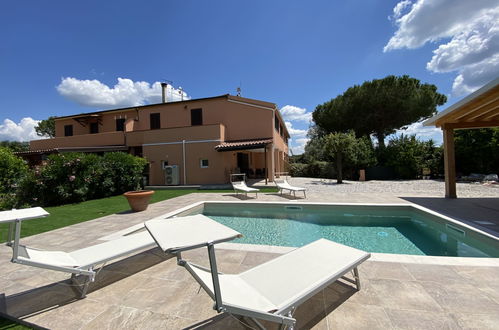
x: 79, y: 262
x: 240, y: 185
x: 282, y: 184
x: 270, y: 291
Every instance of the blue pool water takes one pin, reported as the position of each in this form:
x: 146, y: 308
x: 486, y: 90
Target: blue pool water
x: 399, y: 230
x: 386, y: 238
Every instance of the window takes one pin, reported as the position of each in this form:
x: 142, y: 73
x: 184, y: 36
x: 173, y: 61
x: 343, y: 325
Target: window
x: 94, y: 128
x: 276, y: 123
x: 120, y: 124
x: 68, y: 130
x: 155, y: 120
x: 196, y: 117
x: 204, y: 163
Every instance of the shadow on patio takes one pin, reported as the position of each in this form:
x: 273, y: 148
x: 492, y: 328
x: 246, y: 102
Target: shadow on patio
x: 482, y: 213
x: 54, y: 295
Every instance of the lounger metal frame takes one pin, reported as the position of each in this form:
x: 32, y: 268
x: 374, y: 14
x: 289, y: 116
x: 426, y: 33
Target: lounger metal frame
x: 283, y: 316
x: 14, y: 236
x: 88, y: 272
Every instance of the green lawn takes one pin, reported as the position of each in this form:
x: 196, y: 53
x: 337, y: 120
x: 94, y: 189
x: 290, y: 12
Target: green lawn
x: 66, y: 215
x: 6, y: 324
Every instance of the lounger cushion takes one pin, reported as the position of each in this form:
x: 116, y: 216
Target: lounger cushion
x: 55, y: 258
x: 236, y: 291
x: 177, y: 233
x: 290, y: 276
x: 243, y: 187
x: 92, y: 255
x: 22, y: 214
x: 100, y: 253
x: 283, y: 184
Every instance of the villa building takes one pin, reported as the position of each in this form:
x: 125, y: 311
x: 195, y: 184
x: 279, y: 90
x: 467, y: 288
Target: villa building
x: 200, y: 141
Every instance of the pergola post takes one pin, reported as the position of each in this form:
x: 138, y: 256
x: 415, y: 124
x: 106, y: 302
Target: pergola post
x: 449, y: 163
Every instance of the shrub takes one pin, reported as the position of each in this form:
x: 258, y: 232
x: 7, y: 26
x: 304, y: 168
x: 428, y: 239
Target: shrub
x: 297, y: 169
x: 12, y: 171
x: 409, y: 156
x: 125, y: 172
x: 76, y: 177
x: 313, y: 170
x: 477, y: 150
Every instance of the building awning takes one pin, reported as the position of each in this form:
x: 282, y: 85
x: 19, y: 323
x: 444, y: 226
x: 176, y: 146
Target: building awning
x: 35, y: 152
x: 243, y: 144
x: 93, y: 149
x: 72, y: 149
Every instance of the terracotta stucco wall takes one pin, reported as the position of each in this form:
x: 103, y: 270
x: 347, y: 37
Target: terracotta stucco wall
x: 279, y: 142
x: 240, y: 121
x: 87, y: 140
x: 107, y: 123
x: 205, y: 132
x: 216, y: 173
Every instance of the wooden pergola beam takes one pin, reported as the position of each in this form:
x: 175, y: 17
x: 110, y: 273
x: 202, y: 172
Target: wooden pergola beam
x: 490, y: 107
x: 475, y: 107
x: 474, y: 124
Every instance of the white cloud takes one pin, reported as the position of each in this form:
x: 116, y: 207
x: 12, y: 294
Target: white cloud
x: 475, y: 43
x: 22, y: 131
x: 295, y: 132
x: 125, y: 93
x: 292, y: 113
x: 298, y: 138
x: 430, y: 21
x: 299, y: 145
x: 474, y: 76
x: 423, y: 132
x: 399, y: 8
x: 471, y: 26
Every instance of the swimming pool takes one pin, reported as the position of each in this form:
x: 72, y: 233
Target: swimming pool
x: 398, y: 229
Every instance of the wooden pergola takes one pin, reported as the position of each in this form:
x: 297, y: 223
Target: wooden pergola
x: 478, y: 110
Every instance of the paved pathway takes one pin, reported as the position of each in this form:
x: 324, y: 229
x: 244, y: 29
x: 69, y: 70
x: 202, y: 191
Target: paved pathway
x: 150, y: 291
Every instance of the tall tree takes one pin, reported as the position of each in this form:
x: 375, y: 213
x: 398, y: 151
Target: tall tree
x: 379, y: 107
x: 46, y: 127
x: 340, y: 146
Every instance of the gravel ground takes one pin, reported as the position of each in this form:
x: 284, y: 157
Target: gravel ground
x: 398, y: 187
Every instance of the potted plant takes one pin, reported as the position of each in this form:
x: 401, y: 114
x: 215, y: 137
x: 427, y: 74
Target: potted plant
x: 138, y: 199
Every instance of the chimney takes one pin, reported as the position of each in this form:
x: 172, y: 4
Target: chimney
x: 163, y: 92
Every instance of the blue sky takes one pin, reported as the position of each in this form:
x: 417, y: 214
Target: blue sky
x: 65, y: 57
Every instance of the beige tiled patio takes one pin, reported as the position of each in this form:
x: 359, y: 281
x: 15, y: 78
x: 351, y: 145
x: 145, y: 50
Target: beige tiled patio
x: 149, y: 290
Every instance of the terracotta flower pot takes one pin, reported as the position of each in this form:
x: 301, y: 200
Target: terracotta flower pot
x: 138, y: 199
